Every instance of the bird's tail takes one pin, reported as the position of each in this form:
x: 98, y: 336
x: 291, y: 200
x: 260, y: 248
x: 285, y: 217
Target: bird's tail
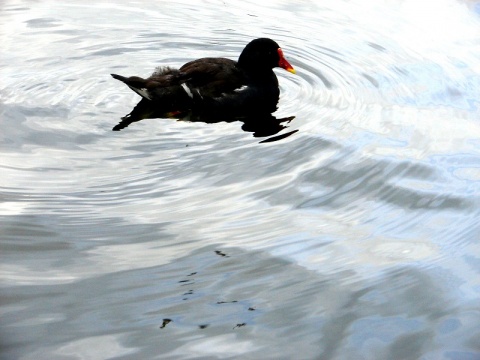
x: 135, y: 83
x: 119, y: 77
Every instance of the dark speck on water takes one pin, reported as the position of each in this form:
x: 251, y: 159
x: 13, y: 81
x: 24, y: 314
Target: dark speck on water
x: 220, y: 253
x: 165, y: 323
x: 240, y: 325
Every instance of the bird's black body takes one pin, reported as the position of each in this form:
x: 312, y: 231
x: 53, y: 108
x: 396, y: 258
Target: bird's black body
x: 217, y: 85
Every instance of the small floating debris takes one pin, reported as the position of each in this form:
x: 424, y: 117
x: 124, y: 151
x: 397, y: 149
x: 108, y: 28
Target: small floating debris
x: 239, y: 325
x: 218, y: 252
x: 165, y: 322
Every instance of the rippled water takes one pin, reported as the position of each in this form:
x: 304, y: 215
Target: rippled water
x: 356, y: 237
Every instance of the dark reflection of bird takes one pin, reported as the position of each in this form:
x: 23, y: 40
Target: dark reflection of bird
x: 261, y: 124
x: 214, y: 86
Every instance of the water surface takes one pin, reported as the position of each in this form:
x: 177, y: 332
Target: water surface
x: 356, y: 237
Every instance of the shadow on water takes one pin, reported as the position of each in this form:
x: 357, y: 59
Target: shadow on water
x: 261, y: 125
x: 402, y: 314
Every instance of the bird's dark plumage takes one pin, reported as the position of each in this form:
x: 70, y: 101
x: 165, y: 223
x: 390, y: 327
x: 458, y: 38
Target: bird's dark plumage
x: 217, y: 85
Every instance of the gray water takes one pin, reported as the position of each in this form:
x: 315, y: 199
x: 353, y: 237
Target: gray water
x: 356, y: 237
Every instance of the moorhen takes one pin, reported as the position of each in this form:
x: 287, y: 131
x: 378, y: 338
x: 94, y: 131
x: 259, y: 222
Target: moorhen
x: 217, y: 85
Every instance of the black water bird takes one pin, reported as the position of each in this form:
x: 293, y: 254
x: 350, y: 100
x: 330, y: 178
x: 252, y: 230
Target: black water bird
x: 216, y: 86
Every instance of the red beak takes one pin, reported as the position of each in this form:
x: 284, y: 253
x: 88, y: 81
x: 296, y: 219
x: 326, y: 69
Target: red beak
x: 283, y: 63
